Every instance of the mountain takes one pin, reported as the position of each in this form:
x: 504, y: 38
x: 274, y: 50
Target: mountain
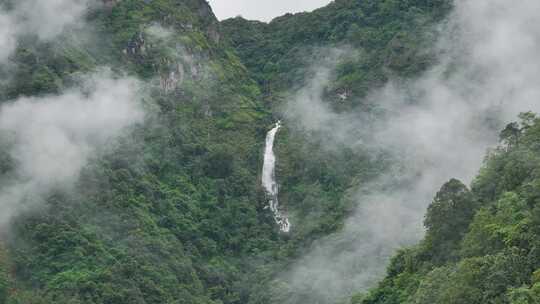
x: 135, y: 135
x: 170, y: 209
x: 172, y: 212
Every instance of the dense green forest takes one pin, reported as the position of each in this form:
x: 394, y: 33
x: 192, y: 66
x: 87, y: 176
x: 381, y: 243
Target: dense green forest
x: 393, y: 38
x: 173, y: 211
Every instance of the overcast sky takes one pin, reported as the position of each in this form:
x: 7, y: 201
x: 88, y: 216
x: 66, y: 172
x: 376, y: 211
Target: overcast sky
x: 263, y: 10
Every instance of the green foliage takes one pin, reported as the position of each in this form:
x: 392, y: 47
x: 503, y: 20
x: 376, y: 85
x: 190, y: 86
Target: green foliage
x: 481, y: 245
x: 524, y: 295
x: 173, y: 212
x: 4, y: 284
x: 447, y: 220
x: 392, y: 36
x: 475, y: 280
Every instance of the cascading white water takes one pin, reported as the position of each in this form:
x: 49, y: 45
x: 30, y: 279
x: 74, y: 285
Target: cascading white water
x: 269, y: 180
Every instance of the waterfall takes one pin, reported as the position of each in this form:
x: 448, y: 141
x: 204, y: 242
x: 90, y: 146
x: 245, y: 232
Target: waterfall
x: 269, y: 180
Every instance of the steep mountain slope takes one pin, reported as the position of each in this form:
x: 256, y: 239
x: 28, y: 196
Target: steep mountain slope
x: 361, y: 44
x: 492, y: 260
x: 341, y: 52
x: 173, y: 211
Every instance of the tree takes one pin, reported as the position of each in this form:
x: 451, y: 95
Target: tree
x: 510, y: 134
x: 447, y: 219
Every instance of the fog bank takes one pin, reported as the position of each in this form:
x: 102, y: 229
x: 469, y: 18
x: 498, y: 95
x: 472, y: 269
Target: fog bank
x: 50, y: 139
x: 44, y: 18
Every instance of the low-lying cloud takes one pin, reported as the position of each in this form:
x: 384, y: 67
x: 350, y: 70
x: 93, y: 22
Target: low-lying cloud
x: 50, y: 139
x: 437, y: 127
x: 44, y: 18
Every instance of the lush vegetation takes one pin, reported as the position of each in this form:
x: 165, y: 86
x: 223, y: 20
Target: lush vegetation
x: 379, y: 39
x: 174, y: 213
x: 386, y: 38
x: 481, y: 244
